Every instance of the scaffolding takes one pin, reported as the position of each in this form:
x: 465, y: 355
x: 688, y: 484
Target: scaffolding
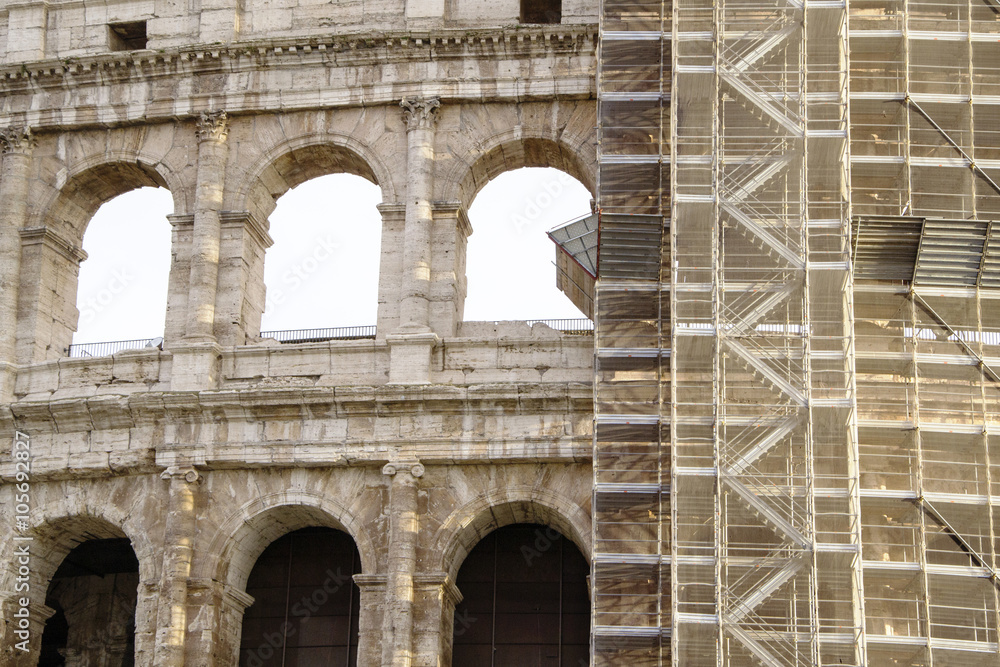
x: 797, y: 315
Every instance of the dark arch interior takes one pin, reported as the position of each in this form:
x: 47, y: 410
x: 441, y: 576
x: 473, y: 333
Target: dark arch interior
x: 94, y: 596
x: 525, y: 601
x: 305, y: 610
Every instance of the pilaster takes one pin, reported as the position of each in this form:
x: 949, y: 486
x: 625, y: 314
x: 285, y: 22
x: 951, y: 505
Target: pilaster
x: 27, y: 26
x: 172, y: 616
x: 15, y: 152
x: 181, y: 234
x: 219, y: 21
x: 215, y: 610
x: 404, y: 526
x: 390, y: 274
x: 212, y: 130
x: 424, y: 13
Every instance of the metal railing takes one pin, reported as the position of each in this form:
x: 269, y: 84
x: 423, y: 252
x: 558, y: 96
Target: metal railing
x: 581, y: 326
x: 320, y: 335
x: 111, y: 347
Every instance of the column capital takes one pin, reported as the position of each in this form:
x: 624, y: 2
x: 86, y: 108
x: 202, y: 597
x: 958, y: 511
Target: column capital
x: 212, y: 126
x: 182, y: 473
x: 16, y: 139
x: 420, y: 113
x: 415, y: 468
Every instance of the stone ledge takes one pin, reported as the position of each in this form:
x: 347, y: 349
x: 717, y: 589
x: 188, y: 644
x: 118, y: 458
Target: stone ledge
x: 339, y: 50
x: 109, y: 411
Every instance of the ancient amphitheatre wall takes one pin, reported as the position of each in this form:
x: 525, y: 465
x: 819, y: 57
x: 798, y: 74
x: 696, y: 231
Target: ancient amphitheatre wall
x: 205, y: 451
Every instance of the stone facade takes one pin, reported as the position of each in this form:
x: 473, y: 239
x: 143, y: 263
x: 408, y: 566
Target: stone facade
x: 204, y: 452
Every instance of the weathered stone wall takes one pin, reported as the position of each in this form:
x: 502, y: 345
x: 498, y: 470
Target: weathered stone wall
x: 204, y: 452
x: 42, y: 29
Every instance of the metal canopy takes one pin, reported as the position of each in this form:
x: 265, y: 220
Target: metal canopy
x: 927, y: 251
x: 578, y: 239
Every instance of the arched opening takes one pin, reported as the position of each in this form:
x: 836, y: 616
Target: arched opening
x: 541, y: 11
x: 321, y: 274
x: 122, y: 289
x: 510, y: 261
x: 94, y: 595
x: 306, y: 605
x: 525, y: 601
x: 51, y: 258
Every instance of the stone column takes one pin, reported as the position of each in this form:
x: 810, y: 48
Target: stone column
x: 371, y: 591
x: 420, y: 116
x: 196, y: 358
x: 404, y: 526
x: 212, y: 152
x: 411, y: 345
x: 15, y: 146
x: 171, y: 617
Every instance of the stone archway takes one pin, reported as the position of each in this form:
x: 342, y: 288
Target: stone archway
x: 247, y: 533
x: 277, y: 170
x: 306, y: 605
x: 74, y: 572
x: 51, y: 250
x: 466, y: 528
x: 469, y: 524
x: 532, y: 143
x: 524, y: 601
x: 512, y: 150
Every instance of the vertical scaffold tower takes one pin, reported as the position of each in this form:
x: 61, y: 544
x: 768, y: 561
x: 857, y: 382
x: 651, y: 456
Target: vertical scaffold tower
x: 726, y: 501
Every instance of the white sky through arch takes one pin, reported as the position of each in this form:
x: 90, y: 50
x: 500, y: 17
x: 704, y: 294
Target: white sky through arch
x: 323, y: 269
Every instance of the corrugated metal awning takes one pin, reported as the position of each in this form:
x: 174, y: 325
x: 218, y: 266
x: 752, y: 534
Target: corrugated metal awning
x: 927, y: 251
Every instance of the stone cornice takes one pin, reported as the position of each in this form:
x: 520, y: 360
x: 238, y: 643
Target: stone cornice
x: 165, y: 85
x: 336, y: 50
x: 67, y: 415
